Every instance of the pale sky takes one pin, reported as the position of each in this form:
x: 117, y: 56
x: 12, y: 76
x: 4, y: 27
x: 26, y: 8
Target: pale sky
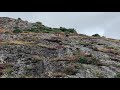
x: 103, y: 23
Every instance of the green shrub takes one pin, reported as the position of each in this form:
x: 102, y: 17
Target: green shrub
x: 38, y: 27
x: 17, y: 30
x: 117, y: 75
x: 90, y: 60
x: 67, y: 30
x: 19, y: 19
x: 45, y: 31
x: 63, y: 29
x: 71, y: 30
x: 96, y: 35
x: 33, y: 30
x: 39, y: 23
x: 82, y: 60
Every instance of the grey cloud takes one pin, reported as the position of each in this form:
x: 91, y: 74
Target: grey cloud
x: 112, y: 30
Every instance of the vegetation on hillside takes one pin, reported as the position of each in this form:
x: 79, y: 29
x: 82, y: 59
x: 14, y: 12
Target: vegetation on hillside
x: 17, y: 30
x: 96, y: 35
x: 38, y: 27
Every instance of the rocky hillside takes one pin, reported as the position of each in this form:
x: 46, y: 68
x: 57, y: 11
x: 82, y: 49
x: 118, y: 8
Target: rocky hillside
x: 32, y: 50
x: 11, y: 24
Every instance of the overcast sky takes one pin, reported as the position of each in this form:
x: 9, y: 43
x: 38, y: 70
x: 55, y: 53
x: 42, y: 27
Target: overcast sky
x: 103, y: 23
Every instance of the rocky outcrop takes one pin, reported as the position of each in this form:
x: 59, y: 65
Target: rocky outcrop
x: 11, y: 24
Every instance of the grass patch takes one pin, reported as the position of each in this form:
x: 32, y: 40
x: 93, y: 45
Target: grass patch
x: 8, y: 65
x: 8, y: 70
x: 89, y: 60
x: 99, y: 75
x: 47, y: 46
x: 20, y: 42
x: 28, y: 67
x: 16, y: 42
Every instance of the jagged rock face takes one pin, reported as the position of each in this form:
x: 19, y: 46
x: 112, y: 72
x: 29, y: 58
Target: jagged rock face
x: 10, y: 23
x: 40, y: 56
x: 46, y: 55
